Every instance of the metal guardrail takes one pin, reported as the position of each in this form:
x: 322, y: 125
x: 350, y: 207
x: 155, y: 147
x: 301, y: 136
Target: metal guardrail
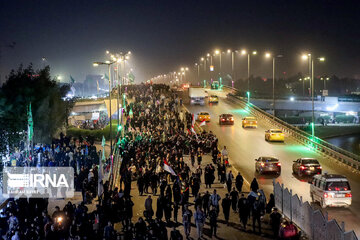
x: 316, y: 143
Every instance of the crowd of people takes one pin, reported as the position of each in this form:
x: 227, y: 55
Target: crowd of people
x: 158, y: 133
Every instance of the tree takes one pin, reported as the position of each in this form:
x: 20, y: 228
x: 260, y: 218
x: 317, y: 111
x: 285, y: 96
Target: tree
x: 49, y: 110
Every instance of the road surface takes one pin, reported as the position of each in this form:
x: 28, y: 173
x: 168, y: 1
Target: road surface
x: 244, y: 145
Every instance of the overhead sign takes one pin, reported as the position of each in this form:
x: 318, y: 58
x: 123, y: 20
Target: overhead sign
x: 211, y: 68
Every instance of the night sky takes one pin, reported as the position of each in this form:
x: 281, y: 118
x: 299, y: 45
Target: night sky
x: 164, y: 35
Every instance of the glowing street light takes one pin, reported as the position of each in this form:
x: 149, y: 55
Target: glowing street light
x: 244, y: 52
x: 267, y: 55
x: 108, y: 63
x: 229, y: 51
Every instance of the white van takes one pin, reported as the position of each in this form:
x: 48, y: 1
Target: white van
x: 330, y: 190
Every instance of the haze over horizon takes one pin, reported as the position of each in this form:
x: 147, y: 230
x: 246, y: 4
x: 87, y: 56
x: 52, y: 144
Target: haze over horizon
x: 166, y: 35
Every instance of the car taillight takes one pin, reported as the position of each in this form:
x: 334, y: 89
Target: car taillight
x: 256, y: 122
x: 232, y: 119
x: 328, y: 195
x: 262, y: 164
x: 319, y: 167
x: 348, y: 195
x: 302, y: 167
x: 222, y: 119
x: 245, y: 121
x: 279, y: 164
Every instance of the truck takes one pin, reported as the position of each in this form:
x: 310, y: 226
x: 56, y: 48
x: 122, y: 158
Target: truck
x: 197, y: 96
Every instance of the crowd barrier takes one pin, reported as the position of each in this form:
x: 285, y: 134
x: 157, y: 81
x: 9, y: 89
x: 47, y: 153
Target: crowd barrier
x: 313, y: 222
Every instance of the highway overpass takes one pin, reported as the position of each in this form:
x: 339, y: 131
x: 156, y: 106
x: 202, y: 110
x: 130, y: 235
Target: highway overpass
x: 300, y: 105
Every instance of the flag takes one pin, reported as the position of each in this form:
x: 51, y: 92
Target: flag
x: 103, y: 146
x: 203, y: 123
x: 192, y: 120
x: 72, y: 80
x: 101, y: 169
x: 131, y: 77
x: 30, y: 124
x: 106, y: 77
x: 168, y: 168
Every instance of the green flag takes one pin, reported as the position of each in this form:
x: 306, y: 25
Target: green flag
x: 72, y: 80
x: 131, y: 77
x: 103, y: 145
x: 30, y: 131
x: 106, y: 77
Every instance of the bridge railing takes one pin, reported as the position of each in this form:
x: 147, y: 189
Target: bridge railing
x: 348, y: 158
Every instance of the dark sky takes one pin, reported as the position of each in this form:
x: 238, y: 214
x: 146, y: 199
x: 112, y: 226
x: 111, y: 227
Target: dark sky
x: 163, y: 35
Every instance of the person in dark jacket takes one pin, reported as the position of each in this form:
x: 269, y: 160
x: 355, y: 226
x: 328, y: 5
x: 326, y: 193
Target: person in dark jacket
x: 140, y: 184
x: 239, y: 180
x: 254, y: 186
x: 226, y: 203
x: 256, y: 214
x: 234, y: 199
x: 243, y: 208
x: 275, y: 220
x: 213, y: 221
x: 270, y: 204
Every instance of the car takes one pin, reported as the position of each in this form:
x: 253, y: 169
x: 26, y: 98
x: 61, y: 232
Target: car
x: 330, y: 190
x: 213, y: 99
x: 273, y: 135
x: 203, y: 116
x: 249, y: 122
x: 215, y: 85
x: 268, y: 164
x: 306, y: 166
x: 226, y: 119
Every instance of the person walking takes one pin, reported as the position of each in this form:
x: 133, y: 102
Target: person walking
x: 229, y: 179
x: 239, y: 180
x: 254, y: 186
x: 226, y: 203
x: 213, y: 221
x: 187, y: 221
x: 243, y: 208
x: 148, y: 208
x: 206, y: 202
x: 256, y: 214
x: 199, y: 221
x: 140, y: 184
x: 234, y: 199
x: 275, y: 220
x: 214, y: 200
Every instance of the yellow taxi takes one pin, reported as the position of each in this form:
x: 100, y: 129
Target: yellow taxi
x: 203, y: 116
x: 274, y: 135
x: 213, y: 99
x: 249, y: 122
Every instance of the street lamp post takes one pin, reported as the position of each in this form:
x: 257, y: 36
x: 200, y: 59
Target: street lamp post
x: 311, y: 60
x: 108, y: 63
x: 120, y: 58
x: 268, y: 55
x: 243, y: 52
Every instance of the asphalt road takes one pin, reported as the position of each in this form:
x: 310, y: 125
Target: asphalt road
x: 244, y: 145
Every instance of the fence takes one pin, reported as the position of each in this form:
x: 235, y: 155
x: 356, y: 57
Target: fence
x: 348, y: 158
x: 314, y: 224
